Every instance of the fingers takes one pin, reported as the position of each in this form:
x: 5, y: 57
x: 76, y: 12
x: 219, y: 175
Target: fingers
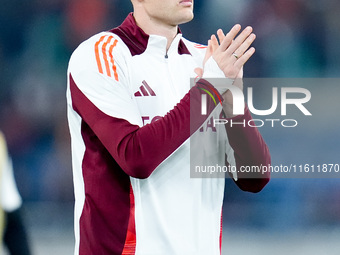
x: 244, y: 58
x: 214, y: 43
x: 220, y: 35
x: 240, y: 51
x: 242, y: 42
x: 232, y: 50
x: 228, y: 38
x: 208, y: 53
x: 230, y: 45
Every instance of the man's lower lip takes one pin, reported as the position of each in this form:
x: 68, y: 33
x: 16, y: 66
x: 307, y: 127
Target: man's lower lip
x: 186, y: 3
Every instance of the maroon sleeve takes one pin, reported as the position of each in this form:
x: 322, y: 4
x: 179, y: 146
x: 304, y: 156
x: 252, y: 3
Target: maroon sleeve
x: 139, y: 150
x: 249, y: 150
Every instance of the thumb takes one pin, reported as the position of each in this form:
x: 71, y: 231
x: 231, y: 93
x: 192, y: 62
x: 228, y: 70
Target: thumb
x: 199, y: 71
x: 240, y: 74
x: 209, y: 52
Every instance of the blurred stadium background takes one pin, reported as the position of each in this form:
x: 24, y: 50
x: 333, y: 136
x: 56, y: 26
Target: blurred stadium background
x: 295, y: 38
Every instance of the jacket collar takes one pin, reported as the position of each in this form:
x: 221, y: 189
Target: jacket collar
x: 138, y: 41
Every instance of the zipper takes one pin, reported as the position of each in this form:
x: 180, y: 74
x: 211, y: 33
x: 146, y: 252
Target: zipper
x: 171, y: 88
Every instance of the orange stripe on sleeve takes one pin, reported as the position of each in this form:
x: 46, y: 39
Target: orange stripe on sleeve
x: 96, y: 49
x: 114, y: 68
x: 99, y: 58
x: 105, y: 55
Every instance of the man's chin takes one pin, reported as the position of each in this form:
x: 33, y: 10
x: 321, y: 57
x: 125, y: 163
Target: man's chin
x: 186, y: 18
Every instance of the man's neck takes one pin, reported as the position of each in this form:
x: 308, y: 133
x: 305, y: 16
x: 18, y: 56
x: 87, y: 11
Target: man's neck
x: 152, y: 27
